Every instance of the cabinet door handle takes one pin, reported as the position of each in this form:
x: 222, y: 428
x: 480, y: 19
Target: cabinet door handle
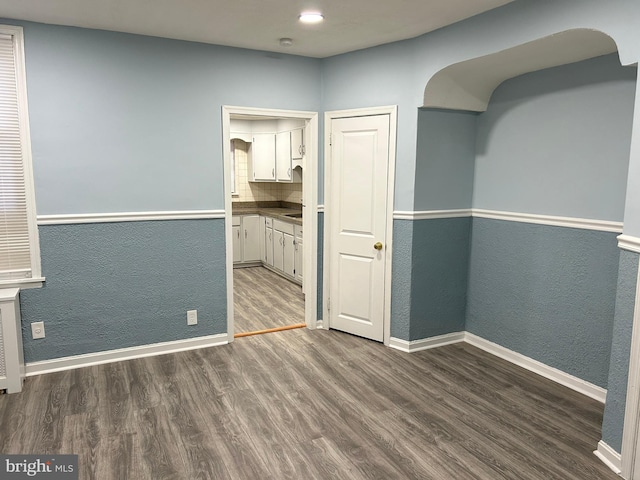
x: 289, y: 172
x: 245, y: 234
x: 300, y: 149
x: 238, y: 233
x: 273, y: 172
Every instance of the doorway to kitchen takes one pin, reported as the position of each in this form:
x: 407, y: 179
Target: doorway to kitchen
x: 270, y: 176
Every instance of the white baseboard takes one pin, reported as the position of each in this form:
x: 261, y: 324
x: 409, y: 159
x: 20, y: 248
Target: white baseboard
x: 98, y: 358
x: 558, y: 376
x: 425, y: 343
x: 319, y: 324
x: 609, y: 457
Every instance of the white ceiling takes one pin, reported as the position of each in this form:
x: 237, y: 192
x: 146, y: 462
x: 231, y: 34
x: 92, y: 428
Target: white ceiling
x: 257, y: 24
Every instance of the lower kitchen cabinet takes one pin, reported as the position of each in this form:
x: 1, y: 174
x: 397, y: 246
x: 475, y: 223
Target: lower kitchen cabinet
x: 299, y: 254
x: 274, y: 243
x: 246, y: 239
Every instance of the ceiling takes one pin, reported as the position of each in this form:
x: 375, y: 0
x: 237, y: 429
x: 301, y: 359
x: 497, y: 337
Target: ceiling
x: 257, y: 24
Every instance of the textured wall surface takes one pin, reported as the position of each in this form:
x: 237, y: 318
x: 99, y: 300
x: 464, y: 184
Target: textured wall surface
x: 545, y: 292
x: 116, y: 285
x: 557, y: 142
x: 445, y: 159
x: 143, y: 115
x: 440, y: 274
x: 613, y: 422
x: 401, y: 279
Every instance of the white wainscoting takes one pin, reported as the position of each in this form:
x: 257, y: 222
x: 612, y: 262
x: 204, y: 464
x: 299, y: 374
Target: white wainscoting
x: 118, y: 355
x: 609, y: 457
x: 558, y: 376
x: 426, y: 343
x: 128, y: 217
x: 551, y: 220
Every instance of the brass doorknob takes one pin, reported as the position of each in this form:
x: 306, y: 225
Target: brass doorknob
x: 377, y: 246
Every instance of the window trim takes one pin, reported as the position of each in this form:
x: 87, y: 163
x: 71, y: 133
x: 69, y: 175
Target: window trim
x: 36, y: 280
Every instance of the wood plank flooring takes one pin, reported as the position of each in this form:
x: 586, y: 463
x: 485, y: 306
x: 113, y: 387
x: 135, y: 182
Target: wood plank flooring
x: 263, y: 299
x: 306, y: 404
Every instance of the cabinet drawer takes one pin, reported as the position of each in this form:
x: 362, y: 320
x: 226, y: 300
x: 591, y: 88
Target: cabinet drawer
x: 268, y: 222
x: 235, y: 221
x: 283, y: 226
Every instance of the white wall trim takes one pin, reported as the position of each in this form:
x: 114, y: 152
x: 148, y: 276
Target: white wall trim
x: 68, y: 219
x: 310, y: 201
x: 558, y: 376
x: 609, y: 457
x: 629, y: 242
x: 121, y: 354
x: 426, y: 343
x: 431, y: 214
x: 551, y: 220
x: 631, y: 427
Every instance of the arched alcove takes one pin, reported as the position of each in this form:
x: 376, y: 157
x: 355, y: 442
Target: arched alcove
x: 468, y: 85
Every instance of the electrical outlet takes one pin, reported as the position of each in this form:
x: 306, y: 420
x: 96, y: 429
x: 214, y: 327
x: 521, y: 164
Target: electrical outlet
x: 192, y: 317
x: 37, y: 330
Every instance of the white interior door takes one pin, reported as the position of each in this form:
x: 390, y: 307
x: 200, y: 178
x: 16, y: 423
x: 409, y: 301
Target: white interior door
x: 359, y: 173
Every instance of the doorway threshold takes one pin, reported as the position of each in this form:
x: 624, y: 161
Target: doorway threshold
x: 270, y: 330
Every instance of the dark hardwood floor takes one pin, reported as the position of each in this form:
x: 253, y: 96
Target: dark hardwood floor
x: 306, y: 404
x: 263, y: 299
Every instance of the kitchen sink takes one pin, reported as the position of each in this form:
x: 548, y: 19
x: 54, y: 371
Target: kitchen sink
x: 294, y: 215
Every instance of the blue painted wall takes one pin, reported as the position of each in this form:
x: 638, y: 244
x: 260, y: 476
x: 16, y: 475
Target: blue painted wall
x: 429, y: 286
x: 613, y: 422
x: 557, y: 142
x: 116, y: 285
x: 545, y: 292
x: 401, y: 282
x: 445, y: 162
x: 440, y: 265
x: 123, y: 123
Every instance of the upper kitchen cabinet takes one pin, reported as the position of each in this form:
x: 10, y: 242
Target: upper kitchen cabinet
x: 262, y: 157
x: 284, y: 159
x: 297, y: 144
x: 276, y: 148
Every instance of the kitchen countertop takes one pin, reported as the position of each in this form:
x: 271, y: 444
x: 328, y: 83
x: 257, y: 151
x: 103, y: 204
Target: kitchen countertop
x: 273, y: 212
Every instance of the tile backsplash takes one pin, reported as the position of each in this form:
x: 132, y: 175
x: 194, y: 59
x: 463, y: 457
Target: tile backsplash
x: 260, y: 192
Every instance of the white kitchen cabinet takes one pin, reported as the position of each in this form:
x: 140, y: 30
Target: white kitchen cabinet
x: 283, y: 157
x: 237, y: 242
x: 251, y: 238
x: 288, y: 255
x: 268, y: 239
x: 297, y: 143
x: 284, y: 253
x: 246, y: 239
x: 263, y: 157
x: 278, y: 250
x: 299, y: 255
x: 263, y: 243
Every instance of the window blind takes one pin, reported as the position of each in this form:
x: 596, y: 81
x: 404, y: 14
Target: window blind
x: 15, y: 249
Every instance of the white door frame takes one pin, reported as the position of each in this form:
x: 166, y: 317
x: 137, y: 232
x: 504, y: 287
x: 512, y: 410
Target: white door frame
x: 392, y: 111
x: 631, y: 430
x: 310, y: 205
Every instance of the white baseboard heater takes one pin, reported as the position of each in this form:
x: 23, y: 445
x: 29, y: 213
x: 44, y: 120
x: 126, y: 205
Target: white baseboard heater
x: 12, y: 370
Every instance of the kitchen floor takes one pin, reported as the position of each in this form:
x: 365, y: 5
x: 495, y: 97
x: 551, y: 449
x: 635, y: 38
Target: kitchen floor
x: 263, y: 299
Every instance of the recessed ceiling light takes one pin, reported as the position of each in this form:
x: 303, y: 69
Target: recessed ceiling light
x: 311, y: 17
